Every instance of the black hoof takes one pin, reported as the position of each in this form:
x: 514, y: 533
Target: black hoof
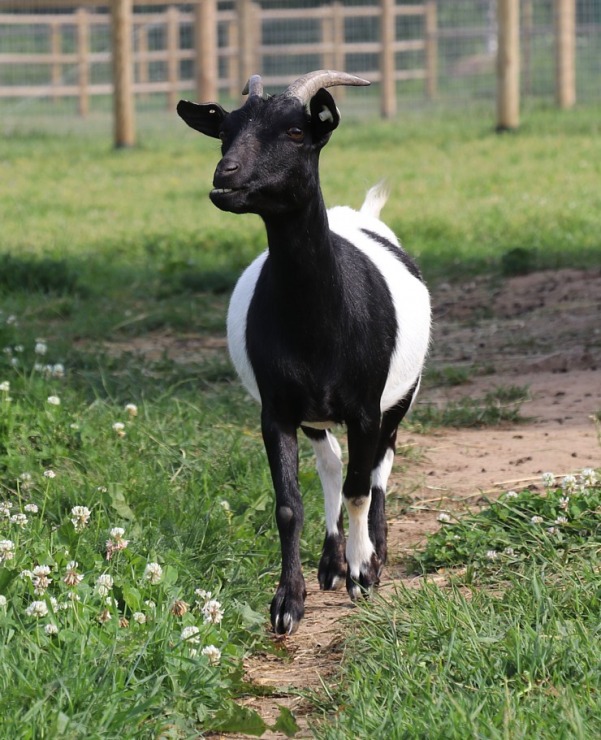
x: 368, y: 577
x: 332, y: 566
x: 288, y: 608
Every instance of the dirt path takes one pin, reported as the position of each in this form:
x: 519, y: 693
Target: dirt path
x: 542, y: 331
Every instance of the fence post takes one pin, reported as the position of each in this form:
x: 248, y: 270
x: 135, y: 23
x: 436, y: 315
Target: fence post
x: 172, y: 17
x: 508, y: 65
x: 142, y: 39
x: 332, y: 36
x: 431, y: 41
x: 387, y: 59
x: 205, y: 43
x: 565, y: 53
x: 123, y: 90
x: 83, y: 49
x: 55, y: 50
x: 249, y: 39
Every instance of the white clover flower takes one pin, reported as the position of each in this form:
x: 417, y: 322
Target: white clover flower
x: 26, y: 574
x: 131, y: 409
x: 51, y: 629
x: 104, y: 583
x: 225, y: 505
x: 213, y: 654
x: 212, y: 611
x: 14, y: 362
x: 536, y: 519
x: 37, y: 609
x: 443, y: 517
x: 552, y: 530
x: 3, y: 601
x: 7, y: 550
x: 509, y: 551
x: 511, y: 494
x: 49, y: 474
x: 54, y: 604
x: 19, y: 348
x: 548, y: 480
x: 54, y: 400
x: 72, y: 577
x: 5, y: 507
x: 564, y: 502
x: 569, y: 483
x: 139, y: 617
x: 119, y: 428
x: 31, y: 508
x: 117, y: 533
x: 11, y: 320
x: 191, y: 634
x: 25, y: 477
x: 153, y: 573
x: 492, y: 554
x: 149, y: 604
x: 40, y: 347
x: 5, y: 386
x: 104, y: 616
x: 80, y: 516
x: 202, y: 594
x: 57, y: 370
x: 588, y: 477
x: 561, y: 520
x: 19, y: 519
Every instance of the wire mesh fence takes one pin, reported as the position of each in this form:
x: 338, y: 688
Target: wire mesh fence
x: 55, y: 57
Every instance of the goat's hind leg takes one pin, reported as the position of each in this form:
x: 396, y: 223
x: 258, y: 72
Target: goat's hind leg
x: 332, y: 566
x: 378, y: 528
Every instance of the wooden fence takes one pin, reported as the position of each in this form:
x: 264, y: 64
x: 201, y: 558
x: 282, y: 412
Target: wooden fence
x: 228, y: 46
x: 229, y: 41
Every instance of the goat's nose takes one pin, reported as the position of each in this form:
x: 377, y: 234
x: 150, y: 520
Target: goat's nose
x: 227, y: 166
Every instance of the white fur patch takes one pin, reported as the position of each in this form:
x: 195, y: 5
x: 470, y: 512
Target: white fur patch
x: 380, y: 475
x: 359, y: 547
x: 236, y: 324
x: 329, y: 469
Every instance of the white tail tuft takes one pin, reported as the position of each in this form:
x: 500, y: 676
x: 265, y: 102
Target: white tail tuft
x: 375, y: 199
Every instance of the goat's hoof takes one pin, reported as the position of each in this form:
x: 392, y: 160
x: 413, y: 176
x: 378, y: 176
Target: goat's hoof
x: 332, y: 566
x: 362, y: 584
x: 287, y: 609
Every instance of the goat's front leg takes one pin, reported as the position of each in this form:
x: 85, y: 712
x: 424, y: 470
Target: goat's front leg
x: 364, y: 565
x: 288, y: 604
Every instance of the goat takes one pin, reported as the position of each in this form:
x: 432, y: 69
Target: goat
x: 329, y: 326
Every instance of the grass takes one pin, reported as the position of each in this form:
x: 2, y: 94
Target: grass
x: 508, y: 649
x: 100, y: 249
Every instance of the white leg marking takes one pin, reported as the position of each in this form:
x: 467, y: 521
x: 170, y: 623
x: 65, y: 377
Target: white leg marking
x: 329, y: 469
x: 380, y: 474
x: 359, y: 547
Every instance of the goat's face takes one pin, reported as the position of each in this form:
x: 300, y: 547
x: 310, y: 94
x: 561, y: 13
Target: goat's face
x: 270, y: 150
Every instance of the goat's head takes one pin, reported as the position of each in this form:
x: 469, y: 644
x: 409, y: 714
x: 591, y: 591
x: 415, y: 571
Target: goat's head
x: 270, y: 145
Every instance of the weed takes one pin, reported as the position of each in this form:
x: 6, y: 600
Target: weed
x: 499, y: 406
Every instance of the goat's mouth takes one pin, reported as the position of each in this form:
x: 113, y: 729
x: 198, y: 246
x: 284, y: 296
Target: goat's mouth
x: 229, y: 199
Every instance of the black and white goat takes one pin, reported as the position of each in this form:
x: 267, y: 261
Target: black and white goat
x: 329, y: 326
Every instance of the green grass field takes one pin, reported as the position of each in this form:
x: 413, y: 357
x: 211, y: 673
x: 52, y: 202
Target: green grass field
x: 104, y: 246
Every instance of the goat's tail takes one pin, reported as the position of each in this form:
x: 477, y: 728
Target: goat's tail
x: 375, y: 199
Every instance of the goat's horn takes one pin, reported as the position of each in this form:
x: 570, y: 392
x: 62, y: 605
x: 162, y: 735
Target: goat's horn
x: 254, y: 86
x: 306, y: 86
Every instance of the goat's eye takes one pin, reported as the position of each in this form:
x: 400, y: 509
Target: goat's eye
x: 296, y: 134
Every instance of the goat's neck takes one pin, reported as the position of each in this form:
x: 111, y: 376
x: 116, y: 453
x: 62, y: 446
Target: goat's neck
x: 300, y: 246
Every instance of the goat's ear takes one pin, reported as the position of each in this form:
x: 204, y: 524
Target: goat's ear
x: 324, y: 116
x: 204, y: 117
